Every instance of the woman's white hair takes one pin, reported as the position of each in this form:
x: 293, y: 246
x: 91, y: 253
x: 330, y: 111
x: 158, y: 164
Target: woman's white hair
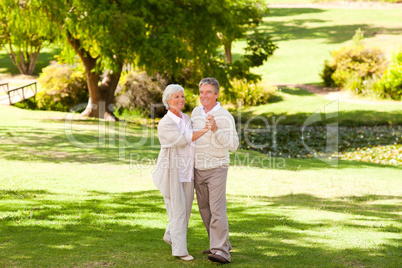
x: 167, y: 93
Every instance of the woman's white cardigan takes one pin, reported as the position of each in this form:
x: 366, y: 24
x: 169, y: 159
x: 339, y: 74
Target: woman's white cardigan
x: 166, y: 172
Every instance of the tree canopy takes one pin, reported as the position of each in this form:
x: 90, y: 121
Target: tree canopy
x: 179, y: 39
x: 24, y: 31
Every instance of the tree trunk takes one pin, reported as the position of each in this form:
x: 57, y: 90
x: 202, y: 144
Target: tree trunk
x: 104, y: 107
x: 101, y: 97
x: 24, y: 63
x: 228, y: 52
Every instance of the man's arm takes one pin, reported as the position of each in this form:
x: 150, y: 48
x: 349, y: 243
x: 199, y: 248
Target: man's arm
x: 226, y: 135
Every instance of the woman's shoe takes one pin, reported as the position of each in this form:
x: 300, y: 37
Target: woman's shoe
x: 187, y: 258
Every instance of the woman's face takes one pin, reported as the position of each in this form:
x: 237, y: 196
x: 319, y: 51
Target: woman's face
x: 177, y: 101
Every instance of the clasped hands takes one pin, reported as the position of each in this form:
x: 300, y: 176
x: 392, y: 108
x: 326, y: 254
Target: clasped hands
x: 211, y: 123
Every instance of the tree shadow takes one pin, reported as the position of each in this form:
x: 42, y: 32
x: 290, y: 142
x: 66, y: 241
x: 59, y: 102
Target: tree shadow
x: 296, y: 91
x: 96, y: 143
x: 286, y: 12
x: 44, y: 60
x: 125, y: 229
x: 100, y: 229
x: 297, y: 29
x: 253, y: 158
x: 344, y: 118
x: 264, y: 233
x: 7, y: 65
x: 91, y: 142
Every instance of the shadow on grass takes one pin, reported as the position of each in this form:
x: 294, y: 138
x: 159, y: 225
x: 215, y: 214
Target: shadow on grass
x: 297, y: 28
x: 296, y: 91
x: 285, y: 12
x: 353, y: 118
x: 93, y: 143
x: 249, y: 158
x: 350, y: 118
x: 43, y: 60
x: 92, y: 146
x: 41, y: 229
x: 282, y: 241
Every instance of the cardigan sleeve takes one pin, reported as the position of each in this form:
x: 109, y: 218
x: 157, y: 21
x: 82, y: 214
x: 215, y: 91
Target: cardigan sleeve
x: 170, y: 135
x: 226, y: 134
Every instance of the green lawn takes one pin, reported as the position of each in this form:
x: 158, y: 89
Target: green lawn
x: 45, y: 57
x: 92, y: 206
x: 305, y: 37
x: 296, y: 105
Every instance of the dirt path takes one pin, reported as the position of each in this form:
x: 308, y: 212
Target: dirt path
x: 17, y: 79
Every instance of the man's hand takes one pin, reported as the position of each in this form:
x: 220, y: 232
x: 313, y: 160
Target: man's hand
x: 212, y: 123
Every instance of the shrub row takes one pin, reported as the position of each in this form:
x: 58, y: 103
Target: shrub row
x: 364, y: 71
x: 137, y: 93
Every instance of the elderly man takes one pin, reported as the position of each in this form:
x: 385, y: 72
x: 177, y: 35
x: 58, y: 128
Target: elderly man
x: 211, y: 167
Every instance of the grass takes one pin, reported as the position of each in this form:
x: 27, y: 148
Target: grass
x: 45, y: 57
x: 305, y: 37
x: 295, y: 105
x: 67, y: 206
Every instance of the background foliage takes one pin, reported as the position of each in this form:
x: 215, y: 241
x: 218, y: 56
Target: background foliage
x: 247, y: 94
x: 63, y: 87
x: 138, y: 91
x: 24, y: 31
x: 390, y: 83
x: 352, y: 62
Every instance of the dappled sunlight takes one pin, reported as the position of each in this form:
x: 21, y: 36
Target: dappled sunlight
x: 264, y: 220
x: 83, y: 143
x: 319, y: 26
x: 305, y: 226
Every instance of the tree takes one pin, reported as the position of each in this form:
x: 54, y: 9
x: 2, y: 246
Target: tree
x: 161, y: 36
x: 182, y: 41
x: 238, y: 21
x: 237, y: 18
x: 103, y: 34
x: 193, y: 32
x: 23, y: 33
x: 177, y: 38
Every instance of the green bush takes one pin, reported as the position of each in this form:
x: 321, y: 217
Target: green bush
x: 138, y: 91
x: 63, y: 87
x: 192, y: 100
x: 361, y: 86
x: 352, y: 63
x: 390, y: 83
x: 247, y: 94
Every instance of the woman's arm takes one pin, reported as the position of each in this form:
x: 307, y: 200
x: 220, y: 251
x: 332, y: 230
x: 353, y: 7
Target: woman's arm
x: 201, y: 132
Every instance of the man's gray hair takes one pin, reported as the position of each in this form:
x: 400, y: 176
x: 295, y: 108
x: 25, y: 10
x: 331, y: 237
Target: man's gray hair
x: 210, y: 81
x: 167, y: 93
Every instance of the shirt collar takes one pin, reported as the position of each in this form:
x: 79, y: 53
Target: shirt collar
x: 175, y: 118
x: 216, y: 107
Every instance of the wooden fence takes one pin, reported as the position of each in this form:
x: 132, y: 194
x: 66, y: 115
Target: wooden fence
x: 22, y: 93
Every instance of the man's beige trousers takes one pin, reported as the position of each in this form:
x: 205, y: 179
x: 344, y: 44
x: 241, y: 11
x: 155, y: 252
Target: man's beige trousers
x: 210, y: 186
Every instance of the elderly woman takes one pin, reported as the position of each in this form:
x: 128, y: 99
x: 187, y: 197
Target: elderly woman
x: 174, y: 171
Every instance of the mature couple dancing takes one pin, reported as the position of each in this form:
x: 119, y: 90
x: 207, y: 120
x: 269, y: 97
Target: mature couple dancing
x: 195, y: 154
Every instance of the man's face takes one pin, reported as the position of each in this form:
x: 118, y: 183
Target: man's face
x: 208, y: 96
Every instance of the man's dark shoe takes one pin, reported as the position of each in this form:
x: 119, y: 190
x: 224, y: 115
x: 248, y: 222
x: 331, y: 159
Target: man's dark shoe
x: 217, y: 258
x: 207, y: 251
